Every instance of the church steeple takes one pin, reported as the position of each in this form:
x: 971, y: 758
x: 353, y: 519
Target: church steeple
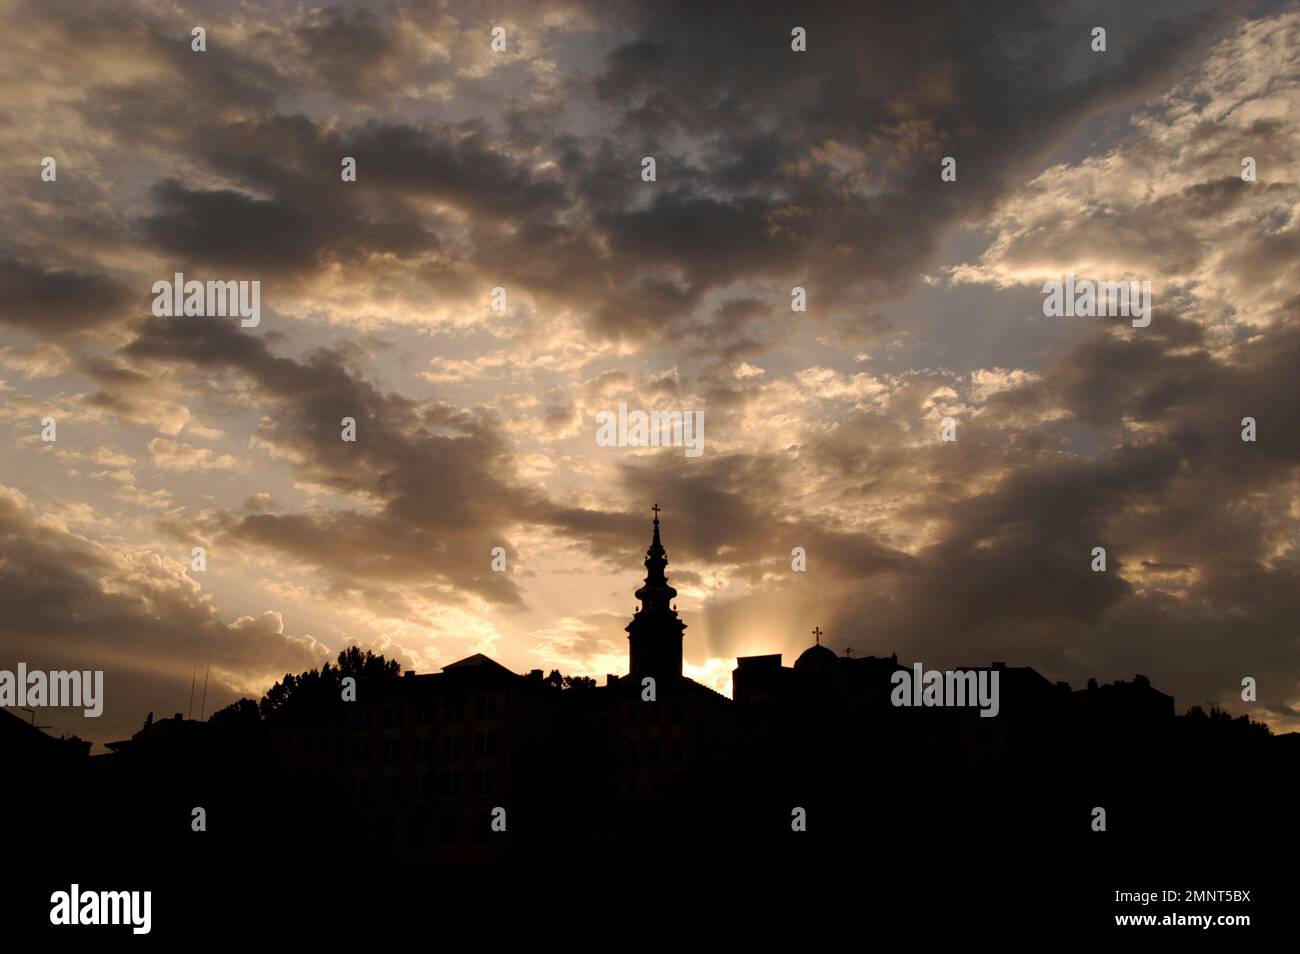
x: 655, y: 632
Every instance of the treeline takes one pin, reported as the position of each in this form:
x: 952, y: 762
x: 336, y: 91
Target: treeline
x: 309, y: 693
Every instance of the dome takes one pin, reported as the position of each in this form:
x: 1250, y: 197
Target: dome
x: 815, y: 657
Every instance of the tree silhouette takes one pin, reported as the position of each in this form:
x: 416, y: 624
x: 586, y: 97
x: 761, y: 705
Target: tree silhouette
x: 316, y: 690
x: 237, y: 715
x: 556, y: 681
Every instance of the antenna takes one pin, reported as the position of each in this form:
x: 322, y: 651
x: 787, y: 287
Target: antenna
x: 204, y: 708
x: 33, y: 723
x: 193, y: 676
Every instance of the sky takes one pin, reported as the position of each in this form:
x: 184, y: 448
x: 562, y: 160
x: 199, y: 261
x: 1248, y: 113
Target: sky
x: 476, y: 426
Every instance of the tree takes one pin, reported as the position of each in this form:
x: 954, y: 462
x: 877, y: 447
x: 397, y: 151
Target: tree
x: 238, y: 715
x: 556, y: 681
x: 318, y: 690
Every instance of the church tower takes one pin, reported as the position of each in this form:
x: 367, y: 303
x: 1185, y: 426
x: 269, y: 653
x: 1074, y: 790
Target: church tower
x: 655, y: 633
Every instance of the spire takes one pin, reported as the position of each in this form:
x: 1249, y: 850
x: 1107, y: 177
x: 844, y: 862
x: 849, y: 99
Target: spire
x: 656, y: 594
x: 655, y: 632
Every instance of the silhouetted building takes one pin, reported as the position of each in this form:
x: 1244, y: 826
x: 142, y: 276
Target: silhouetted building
x: 25, y: 744
x: 478, y: 763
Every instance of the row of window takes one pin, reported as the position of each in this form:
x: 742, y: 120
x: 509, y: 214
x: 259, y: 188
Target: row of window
x: 388, y: 788
x: 426, y: 713
x: 451, y: 829
x: 653, y: 752
x: 653, y: 713
x: 423, y: 749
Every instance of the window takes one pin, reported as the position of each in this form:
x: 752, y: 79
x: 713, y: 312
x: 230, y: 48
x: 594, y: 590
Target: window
x: 451, y: 748
x: 631, y: 753
x: 677, y: 750
x: 361, y: 717
x: 360, y: 753
x: 677, y: 712
x: 631, y: 715
x: 654, y: 751
x: 654, y: 713
x: 455, y: 710
x: 418, y: 830
x: 448, y: 830
x: 487, y: 708
x: 392, y: 717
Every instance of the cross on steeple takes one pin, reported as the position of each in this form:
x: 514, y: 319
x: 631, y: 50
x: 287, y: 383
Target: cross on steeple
x: 817, y: 632
x: 655, y: 632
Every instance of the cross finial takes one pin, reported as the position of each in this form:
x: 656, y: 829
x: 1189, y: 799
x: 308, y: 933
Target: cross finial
x: 849, y: 652
x: 818, y: 633
x: 655, y: 508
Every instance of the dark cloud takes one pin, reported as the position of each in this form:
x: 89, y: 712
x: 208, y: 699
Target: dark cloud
x: 774, y: 169
x: 75, y: 604
x: 439, y: 482
x: 55, y: 302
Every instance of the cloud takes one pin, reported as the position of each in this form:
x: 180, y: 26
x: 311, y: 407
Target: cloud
x: 135, y: 614
x: 58, y: 302
x: 178, y: 455
x: 774, y: 169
